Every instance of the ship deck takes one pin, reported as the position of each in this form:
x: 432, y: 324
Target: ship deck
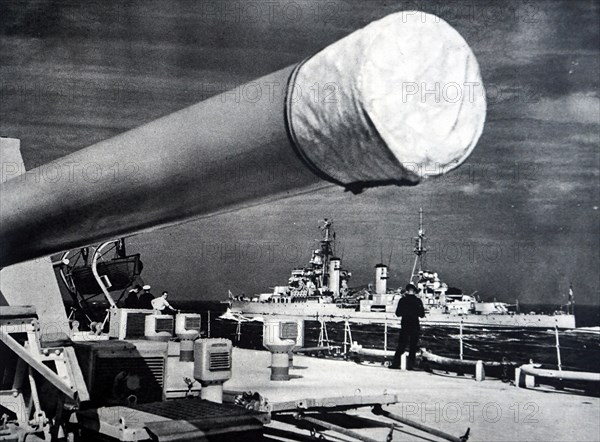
x: 493, y: 410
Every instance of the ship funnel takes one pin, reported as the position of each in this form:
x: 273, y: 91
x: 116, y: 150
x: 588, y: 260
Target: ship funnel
x: 392, y: 103
x: 334, y: 276
x: 381, y: 276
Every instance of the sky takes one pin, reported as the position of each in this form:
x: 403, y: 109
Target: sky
x: 519, y: 220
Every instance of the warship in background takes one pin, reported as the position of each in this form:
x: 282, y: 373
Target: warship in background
x: 320, y: 291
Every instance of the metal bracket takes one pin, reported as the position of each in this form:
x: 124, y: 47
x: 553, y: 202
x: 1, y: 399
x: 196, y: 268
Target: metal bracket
x: 69, y: 379
x: 390, y: 435
x: 336, y: 403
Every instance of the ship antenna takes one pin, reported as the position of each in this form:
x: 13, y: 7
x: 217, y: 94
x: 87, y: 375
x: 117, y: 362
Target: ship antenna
x: 326, y: 250
x: 333, y: 246
x: 419, y: 250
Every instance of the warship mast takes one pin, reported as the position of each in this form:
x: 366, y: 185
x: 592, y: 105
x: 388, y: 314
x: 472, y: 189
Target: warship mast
x: 420, y: 250
x: 326, y: 251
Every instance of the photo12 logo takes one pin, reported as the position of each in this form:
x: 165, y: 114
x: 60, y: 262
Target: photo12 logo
x: 70, y: 172
x: 452, y: 412
x: 467, y: 252
x: 287, y: 12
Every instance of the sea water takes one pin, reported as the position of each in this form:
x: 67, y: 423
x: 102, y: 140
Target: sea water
x: 579, y: 350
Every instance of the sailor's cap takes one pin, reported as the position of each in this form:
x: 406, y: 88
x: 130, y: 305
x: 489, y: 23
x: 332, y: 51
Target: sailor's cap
x: 146, y: 287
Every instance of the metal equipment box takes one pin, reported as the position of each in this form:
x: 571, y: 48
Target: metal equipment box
x: 123, y: 372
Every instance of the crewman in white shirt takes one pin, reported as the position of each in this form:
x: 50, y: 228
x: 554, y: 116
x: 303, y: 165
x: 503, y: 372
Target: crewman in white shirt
x: 160, y: 303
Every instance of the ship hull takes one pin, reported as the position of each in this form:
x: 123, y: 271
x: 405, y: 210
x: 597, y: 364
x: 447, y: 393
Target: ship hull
x: 331, y: 312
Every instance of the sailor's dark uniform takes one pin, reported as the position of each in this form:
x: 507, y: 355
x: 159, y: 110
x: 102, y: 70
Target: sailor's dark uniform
x: 410, y: 308
x: 132, y: 300
x: 145, y: 300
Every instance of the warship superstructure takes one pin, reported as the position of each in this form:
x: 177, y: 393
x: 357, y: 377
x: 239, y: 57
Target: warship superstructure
x: 320, y: 290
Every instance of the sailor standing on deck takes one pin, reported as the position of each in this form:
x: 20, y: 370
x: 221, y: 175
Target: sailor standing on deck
x: 410, y: 308
x: 145, y: 300
x: 132, y: 297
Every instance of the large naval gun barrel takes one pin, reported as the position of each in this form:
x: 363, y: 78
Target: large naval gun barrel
x: 391, y: 103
